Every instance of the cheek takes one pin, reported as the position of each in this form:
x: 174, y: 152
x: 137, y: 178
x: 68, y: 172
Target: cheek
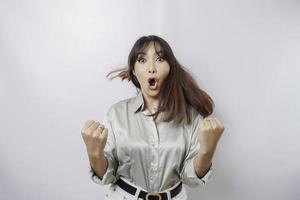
x: 137, y: 72
x: 139, y: 76
x: 165, y: 71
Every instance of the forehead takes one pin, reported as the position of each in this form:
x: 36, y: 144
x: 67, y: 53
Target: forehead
x: 151, y: 49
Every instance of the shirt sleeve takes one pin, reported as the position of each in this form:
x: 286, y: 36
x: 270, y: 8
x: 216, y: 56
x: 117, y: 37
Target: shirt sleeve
x: 111, y: 155
x: 188, y: 173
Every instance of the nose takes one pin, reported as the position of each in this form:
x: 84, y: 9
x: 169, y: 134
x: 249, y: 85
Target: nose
x: 151, y: 68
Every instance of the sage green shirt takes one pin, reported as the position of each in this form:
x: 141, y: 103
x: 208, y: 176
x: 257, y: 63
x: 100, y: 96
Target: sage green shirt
x: 151, y: 154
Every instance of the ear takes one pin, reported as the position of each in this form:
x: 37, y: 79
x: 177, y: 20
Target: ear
x: 133, y: 72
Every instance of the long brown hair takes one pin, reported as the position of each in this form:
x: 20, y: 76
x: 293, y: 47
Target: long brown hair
x: 179, y: 90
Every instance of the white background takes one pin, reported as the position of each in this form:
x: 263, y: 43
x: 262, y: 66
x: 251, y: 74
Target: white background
x: 54, y: 56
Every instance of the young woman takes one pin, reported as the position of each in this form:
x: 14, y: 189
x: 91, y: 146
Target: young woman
x: 150, y: 145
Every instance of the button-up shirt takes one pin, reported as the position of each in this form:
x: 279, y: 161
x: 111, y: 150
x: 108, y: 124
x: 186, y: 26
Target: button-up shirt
x: 152, y: 154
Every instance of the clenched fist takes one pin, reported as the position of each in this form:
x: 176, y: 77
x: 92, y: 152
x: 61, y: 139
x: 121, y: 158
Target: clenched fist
x: 94, y: 135
x: 210, y: 132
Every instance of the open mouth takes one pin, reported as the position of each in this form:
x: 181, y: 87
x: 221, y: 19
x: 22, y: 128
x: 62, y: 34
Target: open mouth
x: 152, y: 83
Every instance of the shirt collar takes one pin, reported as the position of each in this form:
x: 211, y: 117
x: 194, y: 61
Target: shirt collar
x: 138, y: 102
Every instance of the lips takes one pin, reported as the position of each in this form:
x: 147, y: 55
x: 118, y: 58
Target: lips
x: 152, y: 83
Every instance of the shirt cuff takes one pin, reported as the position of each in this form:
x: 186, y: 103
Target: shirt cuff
x: 108, y: 177
x: 191, y: 178
x: 207, y: 175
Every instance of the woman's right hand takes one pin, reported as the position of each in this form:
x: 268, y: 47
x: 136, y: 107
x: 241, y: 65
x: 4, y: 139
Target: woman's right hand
x: 94, y: 135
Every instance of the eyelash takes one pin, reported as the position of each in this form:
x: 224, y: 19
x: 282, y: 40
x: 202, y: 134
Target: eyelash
x: 139, y: 59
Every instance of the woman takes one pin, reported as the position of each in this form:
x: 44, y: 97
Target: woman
x: 150, y: 145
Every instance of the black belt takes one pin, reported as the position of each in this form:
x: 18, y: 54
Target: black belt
x: 148, y: 195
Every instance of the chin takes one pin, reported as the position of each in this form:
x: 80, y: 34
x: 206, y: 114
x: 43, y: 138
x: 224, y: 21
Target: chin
x: 152, y: 93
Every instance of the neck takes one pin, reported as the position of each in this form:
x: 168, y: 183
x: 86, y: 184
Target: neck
x: 150, y: 102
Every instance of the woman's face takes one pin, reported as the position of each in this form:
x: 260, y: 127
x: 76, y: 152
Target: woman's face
x: 151, y: 71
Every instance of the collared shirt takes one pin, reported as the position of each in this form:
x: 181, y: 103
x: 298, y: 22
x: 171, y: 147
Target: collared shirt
x: 151, y: 154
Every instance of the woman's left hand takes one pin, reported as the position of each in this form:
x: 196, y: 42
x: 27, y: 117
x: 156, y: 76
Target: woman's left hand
x: 210, y: 132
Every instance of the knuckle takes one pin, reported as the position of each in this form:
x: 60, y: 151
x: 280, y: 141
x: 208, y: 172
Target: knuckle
x: 89, y: 122
x: 93, y: 132
x: 94, y: 136
x: 96, y: 133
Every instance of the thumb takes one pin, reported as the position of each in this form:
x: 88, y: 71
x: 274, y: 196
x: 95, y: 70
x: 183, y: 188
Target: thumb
x: 104, y: 133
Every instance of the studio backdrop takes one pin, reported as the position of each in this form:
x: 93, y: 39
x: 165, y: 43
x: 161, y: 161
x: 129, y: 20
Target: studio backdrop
x: 54, y: 56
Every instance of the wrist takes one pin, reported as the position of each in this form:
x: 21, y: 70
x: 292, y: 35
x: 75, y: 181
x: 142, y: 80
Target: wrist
x: 206, y: 152
x: 202, y: 162
x: 97, y: 155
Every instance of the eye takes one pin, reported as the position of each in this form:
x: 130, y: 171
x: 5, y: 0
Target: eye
x: 141, y: 60
x: 160, y: 59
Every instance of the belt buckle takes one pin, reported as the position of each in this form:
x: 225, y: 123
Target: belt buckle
x: 153, y: 194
